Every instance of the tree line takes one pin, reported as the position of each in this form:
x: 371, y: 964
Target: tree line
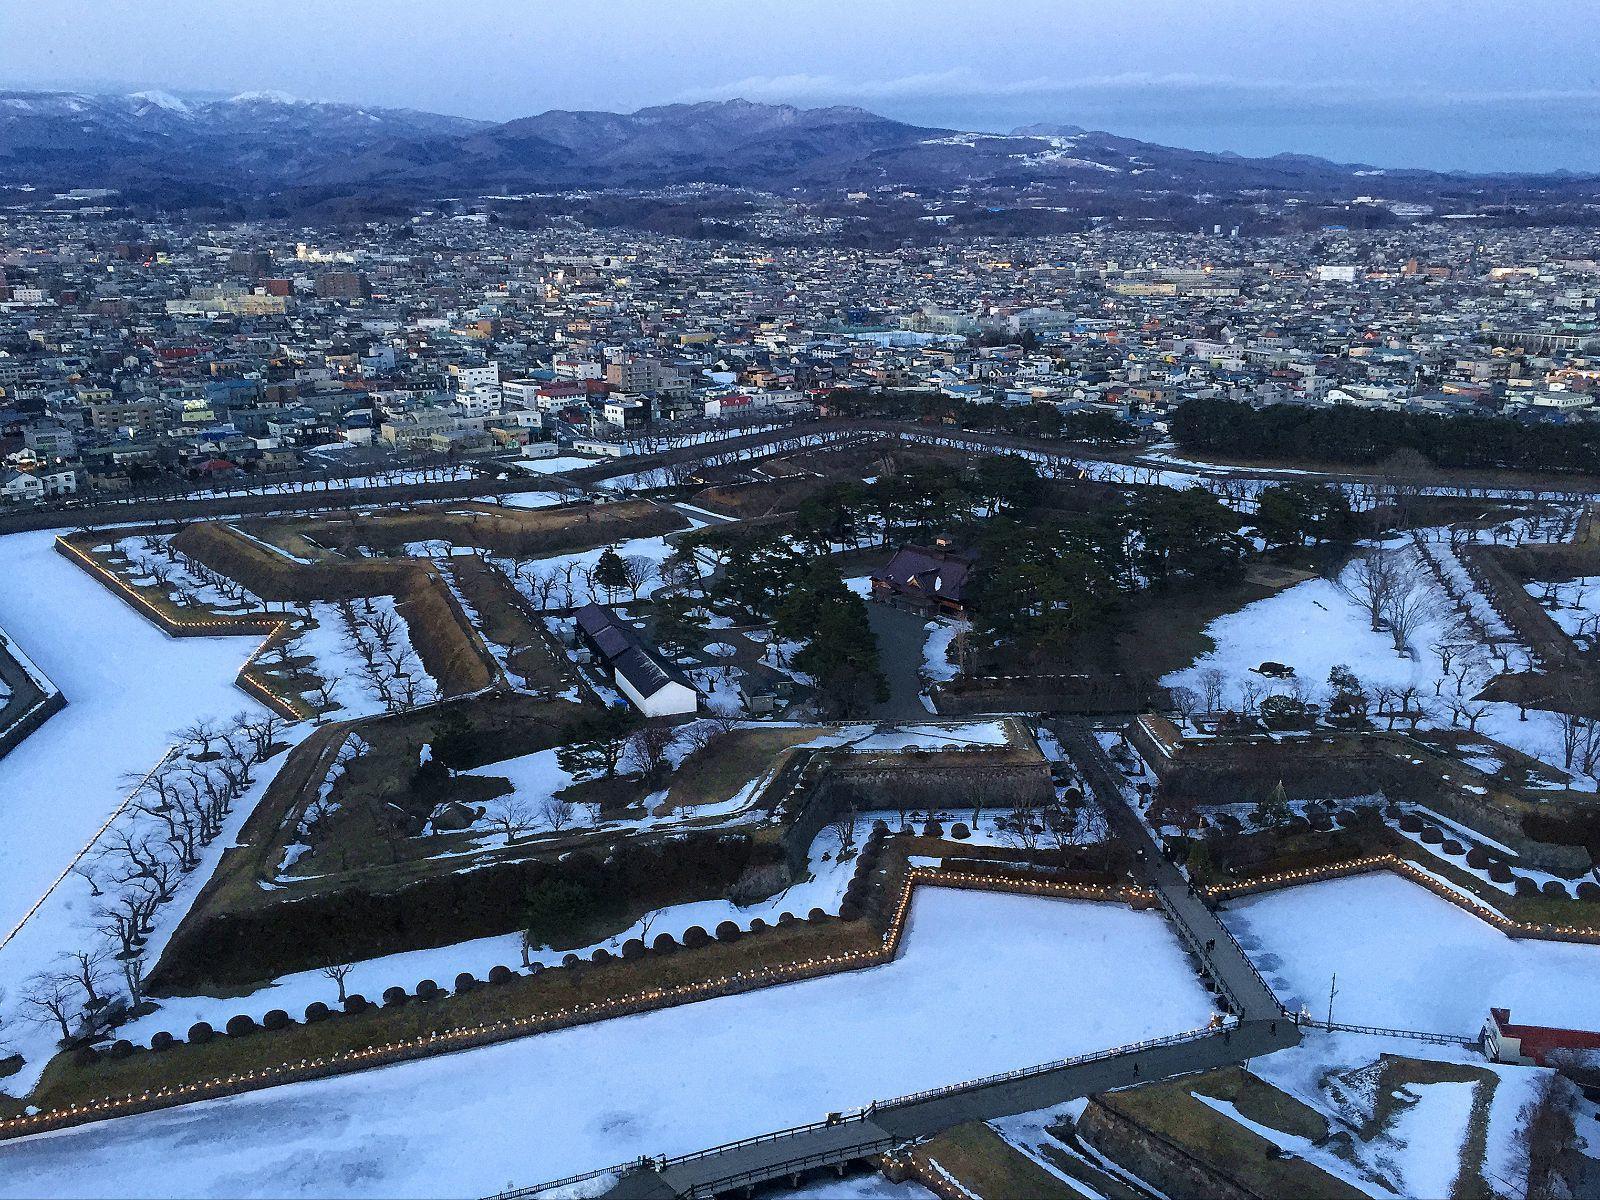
x: 1361, y: 436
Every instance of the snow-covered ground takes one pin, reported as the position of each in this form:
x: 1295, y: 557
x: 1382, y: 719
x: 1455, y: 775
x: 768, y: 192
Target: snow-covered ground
x: 1312, y: 627
x: 575, y: 571
x: 555, y: 465
x: 958, y: 1003
x: 936, y: 664
x: 1406, y: 959
x: 337, y: 657
x: 1573, y: 604
x: 530, y: 499
x: 1422, y: 1144
x: 128, y: 686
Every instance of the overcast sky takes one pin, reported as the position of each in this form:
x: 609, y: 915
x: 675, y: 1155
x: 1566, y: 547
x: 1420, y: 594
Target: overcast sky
x: 1469, y: 84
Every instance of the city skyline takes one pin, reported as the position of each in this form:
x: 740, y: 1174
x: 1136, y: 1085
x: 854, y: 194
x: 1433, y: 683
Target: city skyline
x: 1423, y: 87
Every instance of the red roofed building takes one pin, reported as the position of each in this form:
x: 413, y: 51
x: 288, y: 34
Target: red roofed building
x: 1508, y: 1043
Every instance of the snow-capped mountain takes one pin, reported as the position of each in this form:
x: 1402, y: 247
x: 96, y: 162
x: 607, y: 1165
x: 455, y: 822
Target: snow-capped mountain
x: 262, y: 142
x: 261, y: 139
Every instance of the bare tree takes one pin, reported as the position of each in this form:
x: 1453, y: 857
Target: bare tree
x: 512, y: 815
x: 1409, y: 605
x: 1464, y: 709
x: 1250, y: 693
x: 843, y: 825
x: 1213, y: 685
x: 51, y: 997
x: 1184, y: 702
x: 325, y: 693
x: 338, y: 973
x: 639, y: 571
x: 1368, y: 582
x: 558, y: 812
x: 651, y: 745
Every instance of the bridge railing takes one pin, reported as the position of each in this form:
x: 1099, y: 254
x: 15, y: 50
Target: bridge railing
x: 1077, y: 1060
x: 708, y: 1188
x: 759, y: 1139
x: 1416, y: 1035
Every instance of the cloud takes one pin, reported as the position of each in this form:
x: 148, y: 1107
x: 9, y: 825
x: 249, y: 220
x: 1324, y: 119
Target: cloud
x: 963, y: 83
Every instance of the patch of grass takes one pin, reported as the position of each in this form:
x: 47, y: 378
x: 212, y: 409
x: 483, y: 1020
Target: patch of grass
x: 1069, y: 1158
x: 983, y: 1163
x: 1171, y: 1111
x: 728, y: 762
x: 505, y: 619
x: 1264, y: 1104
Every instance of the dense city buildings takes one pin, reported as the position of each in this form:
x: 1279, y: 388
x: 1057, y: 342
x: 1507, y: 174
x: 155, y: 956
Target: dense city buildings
x: 152, y: 353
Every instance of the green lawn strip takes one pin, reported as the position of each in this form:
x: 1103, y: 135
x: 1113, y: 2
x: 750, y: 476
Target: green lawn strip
x: 1222, y: 1144
x: 984, y: 1164
x: 503, y: 621
x: 1070, y: 1158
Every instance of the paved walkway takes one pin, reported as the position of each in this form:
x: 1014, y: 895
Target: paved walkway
x: 722, y: 1170
x: 900, y: 637
x: 1225, y: 961
x: 1262, y: 1029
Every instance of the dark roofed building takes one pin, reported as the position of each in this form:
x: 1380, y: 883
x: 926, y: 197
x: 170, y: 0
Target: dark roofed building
x: 655, y: 687
x: 929, y: 579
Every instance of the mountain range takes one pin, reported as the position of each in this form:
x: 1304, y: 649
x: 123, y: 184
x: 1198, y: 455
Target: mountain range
x: 263, y: 143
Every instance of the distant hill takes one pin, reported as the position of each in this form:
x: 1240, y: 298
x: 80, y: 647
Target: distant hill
x: 260, y: 143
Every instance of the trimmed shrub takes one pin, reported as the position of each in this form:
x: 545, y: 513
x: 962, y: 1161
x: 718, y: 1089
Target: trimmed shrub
x: 533, y: 969
x: 356, y: 1004
x: 570, y: 960
x: 1499, y: 872
x: 1589, y: 890
x: 729, y: 931
x: 162, y: 1041
x: 1451, y: 846
x: 499, y: 973
x: 694, y: 937
x: 664, y: 944
x: 816, y: 914
x: 1525, y: 886
x: 633, y: 948
x: 394, y: 997
x: 1432, y: 836
x: 601, y: 955
x: 276, y: 1019
x: 1392, y: 811
x: 316, y: 1011
x: 200, y: 1033
x: 849, y: 911
x: 1477, y: 858
x: 465, y: 982
x: 757, y: 925
x: 1554, y: 889
x: 1321, y: 822
x: 786, y: 918
x: 880, y: 829
x: 960, y: 832
x: 1411, y: 823
x: 121, y: 1048
x: 427, y: 990
x: 84, y: 1056
x: 932, y: 828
